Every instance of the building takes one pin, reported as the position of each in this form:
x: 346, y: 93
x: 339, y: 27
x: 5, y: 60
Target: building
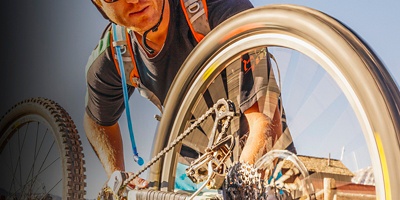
x: 333, y: 180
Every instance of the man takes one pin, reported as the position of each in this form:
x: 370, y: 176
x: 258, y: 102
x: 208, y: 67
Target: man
x: 171, y: 43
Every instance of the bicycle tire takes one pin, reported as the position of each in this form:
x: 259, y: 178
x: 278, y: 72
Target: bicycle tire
x: 64, y: 133
x: 367, y: 84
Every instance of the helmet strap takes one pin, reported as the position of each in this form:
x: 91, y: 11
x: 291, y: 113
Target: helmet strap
x: 152, y: 29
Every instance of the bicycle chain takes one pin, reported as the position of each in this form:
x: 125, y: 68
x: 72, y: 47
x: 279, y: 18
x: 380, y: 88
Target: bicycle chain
x: 182, y: 136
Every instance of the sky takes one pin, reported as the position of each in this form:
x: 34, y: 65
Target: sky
x: 46, y: 43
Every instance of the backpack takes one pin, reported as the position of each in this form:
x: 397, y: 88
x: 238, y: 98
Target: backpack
x: 196, y: 15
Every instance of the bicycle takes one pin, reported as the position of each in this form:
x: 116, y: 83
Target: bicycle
x: 367, y: 85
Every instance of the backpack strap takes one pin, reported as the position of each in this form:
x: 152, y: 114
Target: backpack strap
x: 196, y: 14
x: 123, y: 39
x: 130, y: 64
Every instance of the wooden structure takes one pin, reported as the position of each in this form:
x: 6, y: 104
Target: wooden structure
x: 332, y: 180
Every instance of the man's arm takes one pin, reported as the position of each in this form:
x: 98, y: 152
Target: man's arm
x: 106, y: 141
x: 263, y: 133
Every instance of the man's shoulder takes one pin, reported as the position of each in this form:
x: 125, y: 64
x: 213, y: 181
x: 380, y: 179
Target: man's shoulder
x: 232, y: 5
x: 103, y: 44
x: 220, y: 10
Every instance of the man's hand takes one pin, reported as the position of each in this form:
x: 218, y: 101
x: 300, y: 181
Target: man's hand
x: 120, y: 178
x: 138, y: 182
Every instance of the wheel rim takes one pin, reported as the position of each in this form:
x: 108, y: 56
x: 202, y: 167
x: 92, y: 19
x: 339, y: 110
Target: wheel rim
x: 41, y: 152
x: 37, y: 170
x: 268, y: 26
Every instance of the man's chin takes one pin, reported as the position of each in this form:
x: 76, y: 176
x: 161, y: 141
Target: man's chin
x: 142, y: 26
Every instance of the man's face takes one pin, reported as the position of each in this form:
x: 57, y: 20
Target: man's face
x: 138, y: 15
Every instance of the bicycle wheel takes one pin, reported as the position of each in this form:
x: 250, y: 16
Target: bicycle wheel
x: 41, y: 154
x: 368, y: 87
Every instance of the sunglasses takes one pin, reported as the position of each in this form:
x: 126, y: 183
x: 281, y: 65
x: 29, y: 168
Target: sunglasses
x: 110, y: 1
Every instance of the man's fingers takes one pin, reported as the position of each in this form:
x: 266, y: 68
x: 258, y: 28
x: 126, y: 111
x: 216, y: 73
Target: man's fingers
x: 140, y: 183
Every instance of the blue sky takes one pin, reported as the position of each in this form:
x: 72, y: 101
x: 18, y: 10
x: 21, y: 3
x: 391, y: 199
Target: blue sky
x: 48, y: 43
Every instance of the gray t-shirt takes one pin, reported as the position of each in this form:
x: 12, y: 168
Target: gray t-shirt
x: 253, y: 79
x: 104, y: 102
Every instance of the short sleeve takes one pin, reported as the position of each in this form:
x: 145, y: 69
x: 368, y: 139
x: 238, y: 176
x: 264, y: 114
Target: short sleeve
x: 104, y: 95
x: 220, y: 10
x: 257, y: 82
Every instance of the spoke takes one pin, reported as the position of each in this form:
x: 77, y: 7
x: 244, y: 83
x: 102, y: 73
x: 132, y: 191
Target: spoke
x: 20, y: 152
x: 291, y: 186
x: 19, y: 158
x: 36, y: 153
x: 40, y: 169
x: 43, y: 187
x: 13, y: 182
x: 11, y: 157
x: 7, y: 163
x: 33, y: 179
x: 277, y: 170
x: 47, y: 166
x: 18, y: 164
x: 291, y: 172
x: 43, y: 197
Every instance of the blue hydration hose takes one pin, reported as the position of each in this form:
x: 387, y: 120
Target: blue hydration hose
x: 136, y: 156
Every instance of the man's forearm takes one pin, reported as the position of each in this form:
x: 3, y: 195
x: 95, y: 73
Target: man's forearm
x: 106, y: 141
x: 262, y: 136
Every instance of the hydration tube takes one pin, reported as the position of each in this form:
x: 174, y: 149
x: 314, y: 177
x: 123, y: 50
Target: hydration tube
x: 136, y: 156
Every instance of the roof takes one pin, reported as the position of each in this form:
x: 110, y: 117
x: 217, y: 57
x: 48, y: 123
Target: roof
x: 364, y: 176
x: 316, y: 164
